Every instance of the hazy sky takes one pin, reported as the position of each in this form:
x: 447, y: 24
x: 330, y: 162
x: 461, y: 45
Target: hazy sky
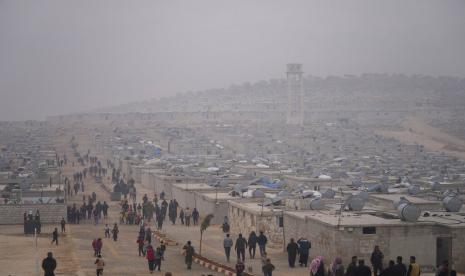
x: 68, y: 56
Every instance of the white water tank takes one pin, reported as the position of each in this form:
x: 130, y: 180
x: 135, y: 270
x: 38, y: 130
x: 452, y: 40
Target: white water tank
x: 258, y: 194
x: 452, y: 203
x: 408, y: 212
x: 355, y: 203
x: 364, y: 195
x: 414, y: 190
x: 316, y: 204
x: 329, y: 193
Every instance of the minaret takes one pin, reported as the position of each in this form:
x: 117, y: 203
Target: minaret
x: 295, y: 101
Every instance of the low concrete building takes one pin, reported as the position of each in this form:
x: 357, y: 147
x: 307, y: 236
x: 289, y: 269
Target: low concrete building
x: 187, y: 194
x: 213, y: 203
x: 432, y: 239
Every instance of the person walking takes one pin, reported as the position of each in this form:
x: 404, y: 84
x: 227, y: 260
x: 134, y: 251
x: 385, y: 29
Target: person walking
x: 227, y: 244
x: 195, y: 216
x: 187, y: 216
x: 163, y: 249
x: 100, y: 263
x: 336, y: 269
x: 140, y: 244
x: 55, y: 236
x: 240, y: 267
x: 107, y: 231
x: 352, y: 267
x: 148, y: 235
x: 240, y: 246
x: 362, y: 269
x: 252, y: 242
x: 304, y: 250
x: 115, y: 232
x: 94, y: 246
x: 377, y: 260
x: 268, y: 268
x: 189, y: 251
x: 49, y: 265
x: 63, y: 225
x: 413, y: 268
x: 390, y: 270
x: 262, y: 241
x: 150, y: 255
x: 99, y: 246
x: 158, y: 258
x: 399, y: 267
x: 317, y: 266
x: 292, y: 250
x: 181, y: 216
x: 443, y: 269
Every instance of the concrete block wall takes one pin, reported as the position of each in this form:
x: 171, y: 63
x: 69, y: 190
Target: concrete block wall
x: 208, y: 206
x: 49, y: 213
x: 321, y: 237
x: 244, y: 221
x: 458, y: 250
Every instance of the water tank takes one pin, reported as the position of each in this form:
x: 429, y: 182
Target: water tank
x: 452, y: 203
x: 316, y: 204
x: 258, y: 194
x: 329, y: 193
x: 408, y: 212
x: 379, y: 188
x: 414, y: 190
x: 239, y: 189
x: 355, y: 203
x: 364, y: 195
x: 284, y: 193
x: 435, y: 186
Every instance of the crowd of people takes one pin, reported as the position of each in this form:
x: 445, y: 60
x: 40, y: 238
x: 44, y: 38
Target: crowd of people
x: 92, y: 210
x: 160, y: 208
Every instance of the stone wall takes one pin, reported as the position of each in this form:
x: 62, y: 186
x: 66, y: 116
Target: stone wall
x: 49, y: 213
x: 210, y: 206
x: 458, y: 249
x: 245, y: 221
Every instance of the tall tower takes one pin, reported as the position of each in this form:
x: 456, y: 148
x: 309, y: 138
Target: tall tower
x: 295, y: 101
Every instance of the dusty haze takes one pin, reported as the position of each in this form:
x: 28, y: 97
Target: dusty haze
x: 70, y: 56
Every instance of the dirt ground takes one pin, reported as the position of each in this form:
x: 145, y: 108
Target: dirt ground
x: 416, y: 131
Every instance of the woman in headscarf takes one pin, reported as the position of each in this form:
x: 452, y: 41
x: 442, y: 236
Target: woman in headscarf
x: 317, y: 267
x: 336, y: 269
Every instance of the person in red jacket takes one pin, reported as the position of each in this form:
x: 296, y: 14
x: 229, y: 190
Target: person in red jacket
x: 99, y: 246
x: 94, y: 246
x: 150, y: 255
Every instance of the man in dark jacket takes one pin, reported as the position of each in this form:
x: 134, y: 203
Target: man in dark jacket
x: 362, y: 269
x: 400, y: 268
x: 292, y: 250
x: 304, y: 248
x: 262, y: 240
x: 195, y: 216
x: 55, y: 236
x: 377, y: 260
x: 49, y: 264
x: 352, y: 267
x: 240, y: 267
x: 189, y: 251
x: 240, y: 246
x: 252, y: 243
x: 390, y: 270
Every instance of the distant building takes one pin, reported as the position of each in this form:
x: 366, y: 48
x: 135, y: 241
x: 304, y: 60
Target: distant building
x: 295, y: 104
